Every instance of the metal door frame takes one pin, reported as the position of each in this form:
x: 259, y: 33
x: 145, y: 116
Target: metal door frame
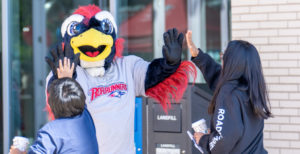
x: 6, y: 75
x: 39, y: 64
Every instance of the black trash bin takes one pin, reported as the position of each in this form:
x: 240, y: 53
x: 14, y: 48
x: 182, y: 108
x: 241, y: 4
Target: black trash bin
x: 166, y: 133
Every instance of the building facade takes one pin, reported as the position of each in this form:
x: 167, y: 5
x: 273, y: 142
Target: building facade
x: 29, y: 28
x: 273, y: 26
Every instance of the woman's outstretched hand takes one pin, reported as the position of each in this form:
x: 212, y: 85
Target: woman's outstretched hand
x: 193, y: 50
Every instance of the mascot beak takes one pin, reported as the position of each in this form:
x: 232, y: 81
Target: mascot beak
x: 92, y: 45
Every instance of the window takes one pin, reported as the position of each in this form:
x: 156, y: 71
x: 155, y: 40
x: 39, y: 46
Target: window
x: 135, y: 26
x: 176, y: 17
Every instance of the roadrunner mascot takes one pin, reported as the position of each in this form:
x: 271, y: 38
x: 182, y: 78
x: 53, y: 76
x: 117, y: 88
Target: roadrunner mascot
x: 112, y: 81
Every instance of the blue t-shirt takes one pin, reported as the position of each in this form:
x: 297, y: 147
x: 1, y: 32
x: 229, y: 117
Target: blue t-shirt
x: 67, y: 135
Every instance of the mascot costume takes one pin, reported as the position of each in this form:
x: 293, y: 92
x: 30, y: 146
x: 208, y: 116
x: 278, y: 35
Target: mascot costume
x: 110, y: 81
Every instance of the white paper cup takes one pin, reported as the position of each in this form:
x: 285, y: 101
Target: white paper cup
x: 21, y: 143
x: 200, y: 126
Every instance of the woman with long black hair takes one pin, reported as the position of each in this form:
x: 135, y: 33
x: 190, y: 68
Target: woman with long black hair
x: 240, y: 101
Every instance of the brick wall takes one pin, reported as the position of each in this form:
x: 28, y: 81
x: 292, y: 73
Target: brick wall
x: 273, y: 26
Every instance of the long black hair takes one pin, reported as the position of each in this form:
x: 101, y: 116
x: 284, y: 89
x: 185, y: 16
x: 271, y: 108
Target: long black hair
x: 241, y: 62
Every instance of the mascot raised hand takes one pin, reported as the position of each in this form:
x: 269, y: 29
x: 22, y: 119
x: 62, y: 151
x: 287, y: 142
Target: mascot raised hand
x: 112, y: 81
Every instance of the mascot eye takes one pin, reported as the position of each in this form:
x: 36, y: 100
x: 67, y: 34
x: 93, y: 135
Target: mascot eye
x: 106, y: 26
x: 65, y: 27
x: 107, y: 18
x: 74, y: 28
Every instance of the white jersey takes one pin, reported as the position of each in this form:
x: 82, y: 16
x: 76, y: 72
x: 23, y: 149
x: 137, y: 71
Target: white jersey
x: 111, y: 102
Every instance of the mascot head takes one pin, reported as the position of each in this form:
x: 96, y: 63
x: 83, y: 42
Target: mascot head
x: 92, y: 33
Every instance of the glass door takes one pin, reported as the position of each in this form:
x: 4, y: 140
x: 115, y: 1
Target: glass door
x: 134, y: 18
x: 17, y: 72
x: 21, y: 69
x: 176, y: 17
x: 31, y: 26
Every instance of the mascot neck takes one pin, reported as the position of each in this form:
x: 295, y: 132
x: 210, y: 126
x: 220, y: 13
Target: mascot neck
x: 95, y: 69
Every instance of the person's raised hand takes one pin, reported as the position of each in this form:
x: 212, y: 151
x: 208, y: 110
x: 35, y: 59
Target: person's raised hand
x: 193, y: 50
x: 65, y: 69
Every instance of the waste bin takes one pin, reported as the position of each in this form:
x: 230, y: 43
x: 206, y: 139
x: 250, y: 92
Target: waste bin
x: 166, y: 133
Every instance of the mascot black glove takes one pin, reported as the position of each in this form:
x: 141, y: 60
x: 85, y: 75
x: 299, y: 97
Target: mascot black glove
x: 161, y: 68
x: 173, y: 46
x: 58, y: 54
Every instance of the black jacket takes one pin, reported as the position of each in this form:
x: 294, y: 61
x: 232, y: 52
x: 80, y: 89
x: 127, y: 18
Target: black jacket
x: 234, y: 127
